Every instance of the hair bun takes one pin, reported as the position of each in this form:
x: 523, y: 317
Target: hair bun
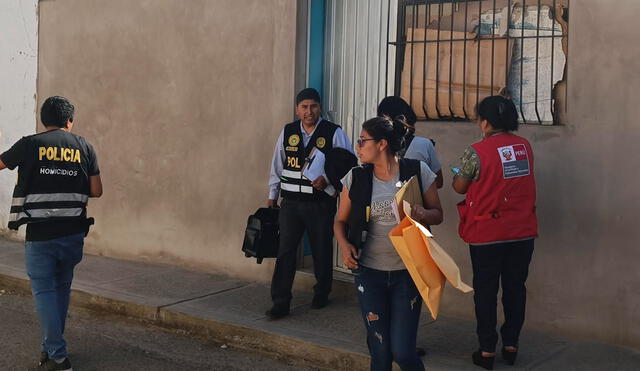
x: 400, y: 126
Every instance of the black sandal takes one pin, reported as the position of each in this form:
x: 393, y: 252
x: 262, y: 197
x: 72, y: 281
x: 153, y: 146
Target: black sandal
x: 509, y: 356
x: 482, y: 361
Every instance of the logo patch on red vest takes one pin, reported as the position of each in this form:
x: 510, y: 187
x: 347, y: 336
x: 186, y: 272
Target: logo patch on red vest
x: 515, y: 161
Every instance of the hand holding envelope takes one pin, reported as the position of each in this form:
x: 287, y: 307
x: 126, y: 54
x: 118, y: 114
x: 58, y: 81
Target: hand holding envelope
x: 409, y: 192
x: 427, y: 262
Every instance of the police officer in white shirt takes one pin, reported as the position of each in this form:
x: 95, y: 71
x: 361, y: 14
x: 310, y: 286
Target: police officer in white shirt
x: 306, y: 206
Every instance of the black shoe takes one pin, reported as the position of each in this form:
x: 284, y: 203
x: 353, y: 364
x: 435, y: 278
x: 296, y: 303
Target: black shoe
x: 319, y: 302
x: 277, y: 313
x: 421, y: 352
x: 484, y: 362
x: 508, y: 356
x: 44, y: 357
x: 51, y: 365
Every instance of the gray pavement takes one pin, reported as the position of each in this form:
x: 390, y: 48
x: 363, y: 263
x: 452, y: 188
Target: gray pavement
x: 103, y: 342
x: 225, y: 310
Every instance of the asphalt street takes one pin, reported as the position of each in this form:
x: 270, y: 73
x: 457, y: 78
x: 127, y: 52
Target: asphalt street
x: 100, y: 342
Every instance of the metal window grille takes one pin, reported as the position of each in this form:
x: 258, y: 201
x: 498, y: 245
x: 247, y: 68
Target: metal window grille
x: 450, y: 54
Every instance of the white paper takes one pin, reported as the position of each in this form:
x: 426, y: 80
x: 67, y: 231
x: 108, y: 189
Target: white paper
x: 330, y: 190
x: 315, y: 167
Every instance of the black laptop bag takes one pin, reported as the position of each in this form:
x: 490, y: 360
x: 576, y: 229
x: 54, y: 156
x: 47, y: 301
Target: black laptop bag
x: 262, y: 236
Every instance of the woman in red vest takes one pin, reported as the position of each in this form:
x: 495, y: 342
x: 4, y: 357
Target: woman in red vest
x: 498, y: 221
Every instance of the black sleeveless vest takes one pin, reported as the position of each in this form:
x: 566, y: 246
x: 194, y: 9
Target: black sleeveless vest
x: 292, y: 184
x: 360, y: 194
x: 53, y: 181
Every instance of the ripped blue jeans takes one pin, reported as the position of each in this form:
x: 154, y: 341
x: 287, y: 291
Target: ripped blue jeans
x: 390, y: 305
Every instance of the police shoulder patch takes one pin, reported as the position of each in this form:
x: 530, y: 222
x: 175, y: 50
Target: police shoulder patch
x: 294, y: 140
x: 321, y: 142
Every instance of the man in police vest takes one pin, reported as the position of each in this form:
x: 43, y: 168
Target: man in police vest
x: 57, y: 173
x: 305, y: 205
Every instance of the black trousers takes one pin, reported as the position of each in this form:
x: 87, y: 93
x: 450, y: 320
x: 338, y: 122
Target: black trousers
x: 507, y: 262
x: 296, y: 217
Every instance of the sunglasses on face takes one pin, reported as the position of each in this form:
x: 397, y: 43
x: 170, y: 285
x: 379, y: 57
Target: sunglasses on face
x: 362, y: 141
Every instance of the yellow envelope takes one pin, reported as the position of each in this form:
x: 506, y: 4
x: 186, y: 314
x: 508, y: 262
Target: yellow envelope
x: 427, y: 262
x: 409, y: 192
x: 423, y: 270
x: 444, y: 261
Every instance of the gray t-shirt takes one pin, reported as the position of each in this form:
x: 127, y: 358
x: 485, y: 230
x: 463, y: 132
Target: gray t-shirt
x: 422, y: 149
x: 378, y: 252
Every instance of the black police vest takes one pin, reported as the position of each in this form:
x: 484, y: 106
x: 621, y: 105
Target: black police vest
x: 292, y: 184
x: 53, y: 180
x: 360, y: 195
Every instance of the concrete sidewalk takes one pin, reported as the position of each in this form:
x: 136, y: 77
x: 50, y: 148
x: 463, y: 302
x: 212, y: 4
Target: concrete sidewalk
x: 232, y: 311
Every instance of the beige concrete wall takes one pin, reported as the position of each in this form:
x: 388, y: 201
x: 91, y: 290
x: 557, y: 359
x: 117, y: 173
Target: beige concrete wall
x: 18, y: 73
x: 584, y: 278
x: 183, y: 101
x: 178, y: 95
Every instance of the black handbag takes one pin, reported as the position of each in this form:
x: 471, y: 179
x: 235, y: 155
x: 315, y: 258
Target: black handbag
x: 262, y: 236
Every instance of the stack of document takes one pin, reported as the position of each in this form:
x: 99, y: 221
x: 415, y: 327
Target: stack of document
x: 314, y: 168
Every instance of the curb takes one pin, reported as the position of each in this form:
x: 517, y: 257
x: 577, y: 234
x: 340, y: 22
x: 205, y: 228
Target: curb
x: 276, y: 346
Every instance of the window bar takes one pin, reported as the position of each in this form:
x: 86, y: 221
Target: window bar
x: 464, y: 61
x: 355, y: 64
x: 506, y: 62
x: 493, y: 43
x: 537, y: 55
x: 462, y: 39
x: 478, y: 38
x: 414, y: 22
x: 566, y: 70
x: 451, y: 62
x: 427, y: 13
x: 553, y: 43
x: 401, y: 44
x: 379, y: 54
x: 343, y: 67
x: 438, y: 60
x: 366, y: 61
x: 331, y: 63
x: 386, y: 70
x: 524, y: 8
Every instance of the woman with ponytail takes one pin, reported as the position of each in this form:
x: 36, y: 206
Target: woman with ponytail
x: 389, y: 300
x: 498, y: 221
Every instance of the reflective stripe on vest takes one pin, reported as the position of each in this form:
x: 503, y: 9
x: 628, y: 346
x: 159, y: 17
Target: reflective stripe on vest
x: 17, y: 201
x: 296, y: 177
x: 52, y: 197
x: 23, y: 207
x: 296, y: 188
x: 292, y: 174
x: 47, y: 213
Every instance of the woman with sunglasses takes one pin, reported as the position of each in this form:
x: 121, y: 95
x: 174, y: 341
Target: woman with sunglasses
x: 389, y: 300
x: 416, y: 147
x: 498, y: 221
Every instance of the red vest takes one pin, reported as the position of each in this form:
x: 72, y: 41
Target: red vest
x: 500, y: 206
